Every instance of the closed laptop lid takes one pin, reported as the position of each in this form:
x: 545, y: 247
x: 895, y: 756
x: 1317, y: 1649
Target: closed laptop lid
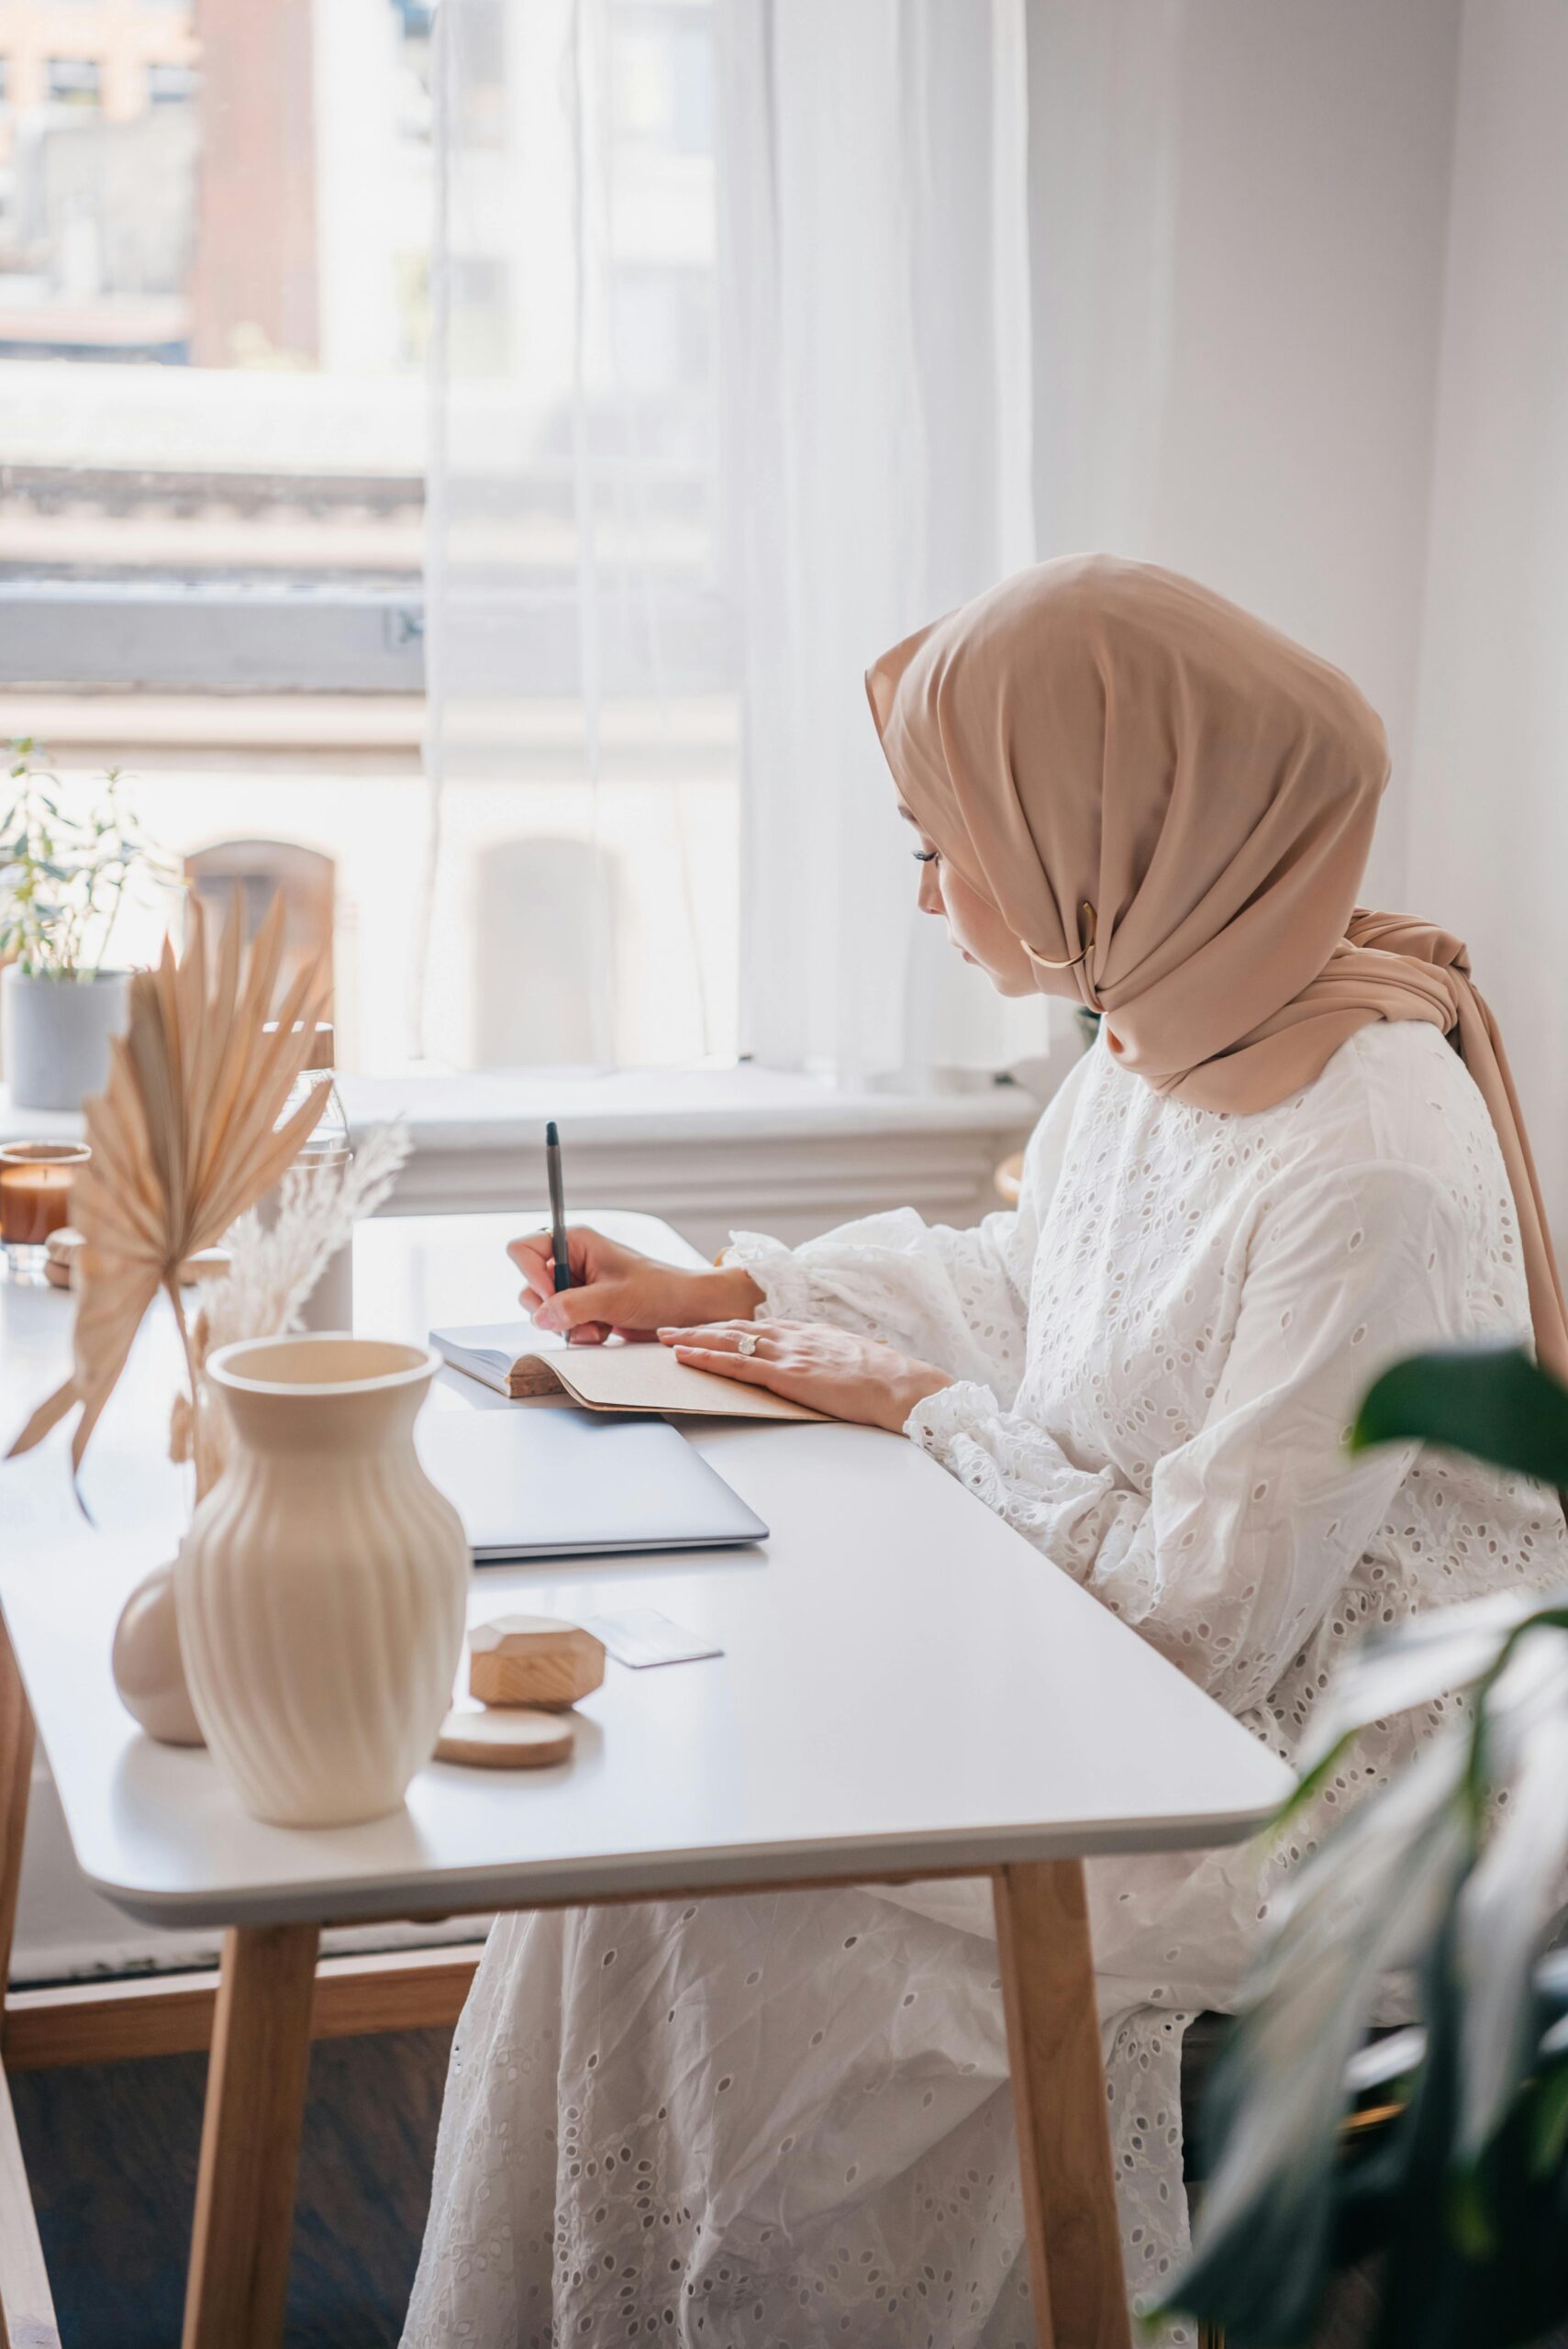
x: 538, y: 1480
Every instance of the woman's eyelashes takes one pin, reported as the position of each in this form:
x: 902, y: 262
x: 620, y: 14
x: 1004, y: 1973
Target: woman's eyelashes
x: 925, y: 855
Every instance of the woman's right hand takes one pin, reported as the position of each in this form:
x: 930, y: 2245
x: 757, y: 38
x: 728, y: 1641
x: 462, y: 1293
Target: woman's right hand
x: 618, y: 1292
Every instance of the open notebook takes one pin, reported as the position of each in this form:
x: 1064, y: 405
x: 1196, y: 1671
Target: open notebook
x: 519, y: 1360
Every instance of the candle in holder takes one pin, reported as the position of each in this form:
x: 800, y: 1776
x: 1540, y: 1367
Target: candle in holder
x: 35, y: 1179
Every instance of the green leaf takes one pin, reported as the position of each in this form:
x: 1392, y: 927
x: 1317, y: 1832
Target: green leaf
x: 1494, y: 1402
x: 1396, y: 1669
x: 1507, y: 1908
x: 1262, y: 2242
x: 1549, y: 2121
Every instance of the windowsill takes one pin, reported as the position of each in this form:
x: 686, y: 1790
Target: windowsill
x: 711, y: 1150
x: 506, y: 1108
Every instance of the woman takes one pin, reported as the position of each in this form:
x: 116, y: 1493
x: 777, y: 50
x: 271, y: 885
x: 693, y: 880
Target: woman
x: 786, y: 2119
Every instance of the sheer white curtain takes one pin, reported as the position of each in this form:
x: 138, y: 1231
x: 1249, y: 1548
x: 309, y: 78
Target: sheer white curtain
x: 876, y: 305
x: 732, y: 389
x: 581, y: 669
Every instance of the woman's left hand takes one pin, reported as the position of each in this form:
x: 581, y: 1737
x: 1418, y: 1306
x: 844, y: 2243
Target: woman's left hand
x: 810, y: 1362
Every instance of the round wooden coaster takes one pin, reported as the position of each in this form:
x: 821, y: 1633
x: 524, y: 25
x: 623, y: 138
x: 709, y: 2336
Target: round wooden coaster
x: 511, y: 1738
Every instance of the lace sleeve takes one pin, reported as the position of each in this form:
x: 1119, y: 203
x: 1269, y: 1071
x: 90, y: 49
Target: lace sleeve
x: 1235, y: 1553
x: 957, y: 1298
x: 943, y: 1296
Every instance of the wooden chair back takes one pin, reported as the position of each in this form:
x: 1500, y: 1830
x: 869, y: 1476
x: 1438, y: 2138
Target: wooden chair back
x: 263, y: 869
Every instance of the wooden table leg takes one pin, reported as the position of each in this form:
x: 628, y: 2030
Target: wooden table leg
x: 26, y: 2307
x: 16, y: 1780
x: 1059, y: 2099
x: 255, y: 2103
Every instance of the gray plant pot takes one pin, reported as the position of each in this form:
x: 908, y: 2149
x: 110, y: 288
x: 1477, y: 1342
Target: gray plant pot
x: 55, y: 1035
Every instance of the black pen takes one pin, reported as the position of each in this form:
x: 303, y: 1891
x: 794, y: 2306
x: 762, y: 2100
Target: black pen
x: 557, y: 1207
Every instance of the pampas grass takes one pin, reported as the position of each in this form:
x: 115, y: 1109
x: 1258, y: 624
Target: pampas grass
x: 271, y: 1274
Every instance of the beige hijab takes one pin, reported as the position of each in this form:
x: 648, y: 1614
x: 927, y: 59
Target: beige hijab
x: 1171, y: 805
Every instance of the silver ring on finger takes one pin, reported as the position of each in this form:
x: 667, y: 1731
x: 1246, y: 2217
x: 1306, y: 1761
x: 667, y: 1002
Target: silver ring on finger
x: 746, y: 1343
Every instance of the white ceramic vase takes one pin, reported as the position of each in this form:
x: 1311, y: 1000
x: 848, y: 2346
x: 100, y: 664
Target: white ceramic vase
x: 322, y: 1586
x: 55, y: 1035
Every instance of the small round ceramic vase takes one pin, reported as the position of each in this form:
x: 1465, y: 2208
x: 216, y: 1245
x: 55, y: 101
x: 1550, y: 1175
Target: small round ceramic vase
x: 148, y: 1668
x: 322, y: 1587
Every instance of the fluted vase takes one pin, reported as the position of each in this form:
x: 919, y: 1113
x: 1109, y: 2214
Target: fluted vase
x: 321, y: 1590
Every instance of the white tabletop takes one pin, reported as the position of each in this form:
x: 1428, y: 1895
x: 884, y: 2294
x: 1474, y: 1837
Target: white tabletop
x: 906, y: 1685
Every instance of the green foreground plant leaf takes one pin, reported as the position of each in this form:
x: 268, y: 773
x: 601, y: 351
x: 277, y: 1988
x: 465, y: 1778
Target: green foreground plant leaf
x: 1493, y: 1402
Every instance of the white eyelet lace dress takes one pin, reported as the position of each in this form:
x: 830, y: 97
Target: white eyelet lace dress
x: 786, y: 2119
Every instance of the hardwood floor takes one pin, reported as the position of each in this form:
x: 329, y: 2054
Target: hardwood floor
x: 111, y: 2152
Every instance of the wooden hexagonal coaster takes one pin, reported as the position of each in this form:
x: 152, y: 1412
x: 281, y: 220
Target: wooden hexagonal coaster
x: 533, y: 1660
x: 509, y: 1739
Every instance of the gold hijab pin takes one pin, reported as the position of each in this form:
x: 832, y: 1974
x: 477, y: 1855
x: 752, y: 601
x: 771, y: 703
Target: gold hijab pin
x: 1048, y: 962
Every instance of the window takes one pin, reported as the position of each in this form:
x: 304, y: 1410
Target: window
x: 169, y: 85
x: 213, y: 299
x: 215, y: 316
x: 586, y: 721
x: 74, y: 81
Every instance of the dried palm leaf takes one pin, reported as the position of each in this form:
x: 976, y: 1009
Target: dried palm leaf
x: 184, y: 1138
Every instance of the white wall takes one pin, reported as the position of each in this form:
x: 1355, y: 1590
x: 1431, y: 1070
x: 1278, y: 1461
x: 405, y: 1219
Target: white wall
x: 1489, y: 854
x: 1301, y: 314
x: 1239, y: 216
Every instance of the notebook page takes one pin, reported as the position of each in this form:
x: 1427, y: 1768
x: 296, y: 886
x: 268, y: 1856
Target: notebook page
x: 649, y: 1378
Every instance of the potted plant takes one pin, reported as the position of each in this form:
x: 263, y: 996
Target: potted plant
x: 63, y: 872
x: 1454, y: 1875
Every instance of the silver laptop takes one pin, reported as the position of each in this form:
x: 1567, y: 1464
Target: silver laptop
x: 539, y: 1481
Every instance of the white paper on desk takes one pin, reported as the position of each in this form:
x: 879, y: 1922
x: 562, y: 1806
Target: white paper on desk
x: 639, y: 1636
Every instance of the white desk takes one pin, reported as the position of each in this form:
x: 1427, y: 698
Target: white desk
x: 972, y: 1713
